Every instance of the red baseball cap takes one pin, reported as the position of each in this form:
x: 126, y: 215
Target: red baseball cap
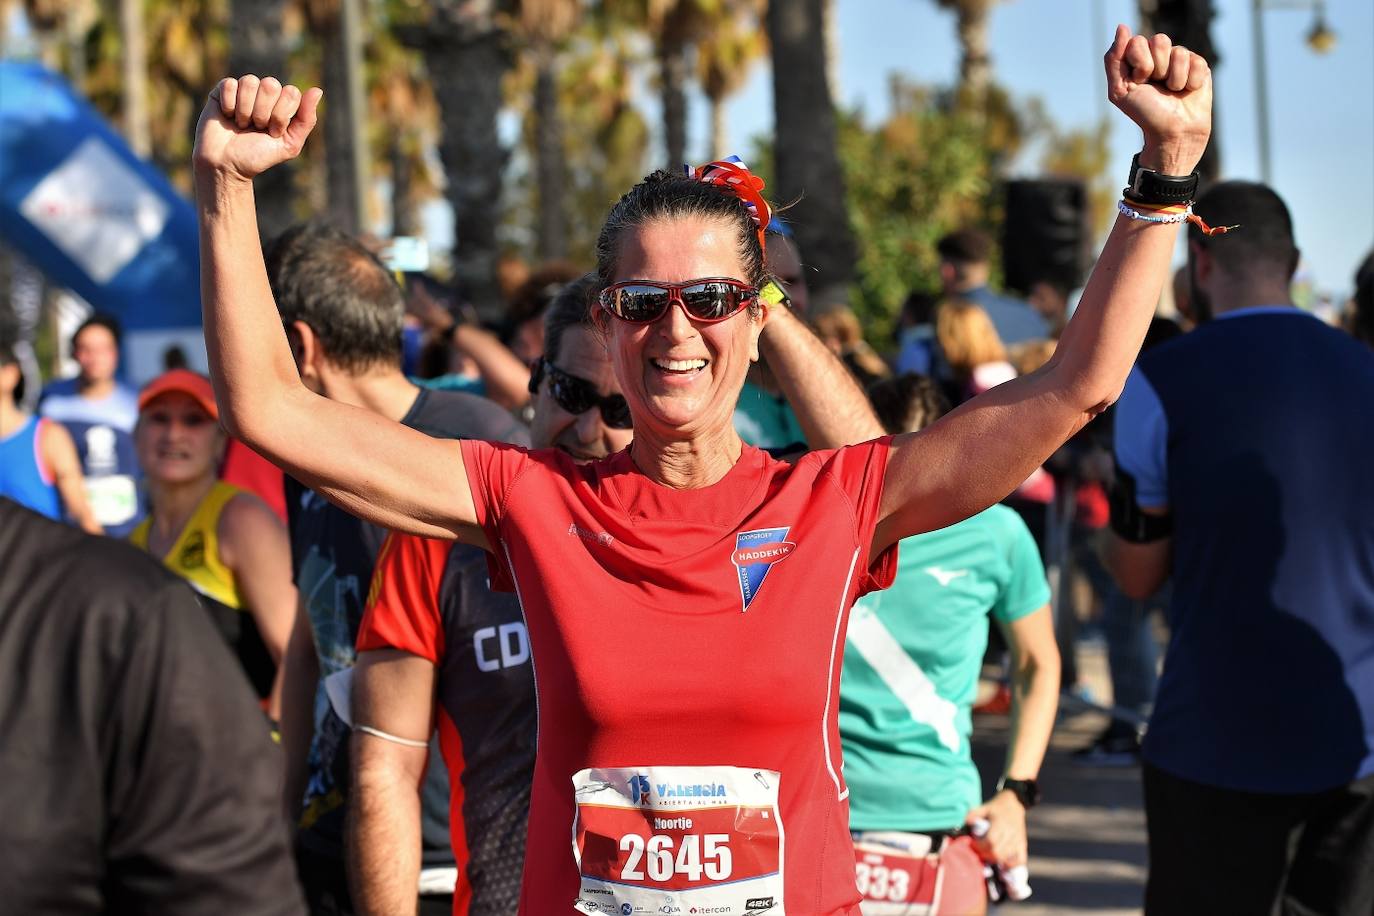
x: 185, y: 381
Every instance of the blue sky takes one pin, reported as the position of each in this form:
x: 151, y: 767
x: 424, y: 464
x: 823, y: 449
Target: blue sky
x: 1321, y: 107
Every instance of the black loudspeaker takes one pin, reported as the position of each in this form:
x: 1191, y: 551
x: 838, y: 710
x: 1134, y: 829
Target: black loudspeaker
x: 1046, y: 235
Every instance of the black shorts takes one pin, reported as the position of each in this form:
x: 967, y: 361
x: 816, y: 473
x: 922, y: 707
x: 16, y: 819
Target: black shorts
x: 1217, y: 851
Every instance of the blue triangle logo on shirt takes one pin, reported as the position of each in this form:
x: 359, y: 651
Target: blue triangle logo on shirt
x: 755, y: 553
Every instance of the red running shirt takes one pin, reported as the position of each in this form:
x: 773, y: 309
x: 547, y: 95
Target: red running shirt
x: 686, y: 643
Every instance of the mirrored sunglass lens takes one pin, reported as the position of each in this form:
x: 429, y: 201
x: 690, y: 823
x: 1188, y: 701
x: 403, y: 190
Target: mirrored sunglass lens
x: 640, y: 303
x: 711, y: 300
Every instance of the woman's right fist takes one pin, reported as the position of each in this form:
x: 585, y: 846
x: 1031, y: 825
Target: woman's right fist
x: 250, y: 124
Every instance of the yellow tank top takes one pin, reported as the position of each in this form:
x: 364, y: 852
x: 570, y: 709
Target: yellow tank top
x: 195, y: 555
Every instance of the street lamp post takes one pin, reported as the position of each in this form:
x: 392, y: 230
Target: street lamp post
x: 1320, y: 39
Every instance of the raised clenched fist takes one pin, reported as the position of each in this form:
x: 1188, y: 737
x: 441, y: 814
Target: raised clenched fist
x: 250, y: 124
x: 1167, y: 91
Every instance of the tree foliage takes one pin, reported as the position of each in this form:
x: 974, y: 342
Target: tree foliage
x: 605, y: 137
x: 933, y: 165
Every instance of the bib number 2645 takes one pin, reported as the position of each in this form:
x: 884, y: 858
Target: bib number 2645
x: 678, y: 839
x: 695, y: 858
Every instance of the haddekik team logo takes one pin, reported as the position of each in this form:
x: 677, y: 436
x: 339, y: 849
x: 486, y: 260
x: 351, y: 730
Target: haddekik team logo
x: 755, y: 553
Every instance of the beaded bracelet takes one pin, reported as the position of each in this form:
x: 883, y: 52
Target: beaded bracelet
x: 1178, y: 213
x: 1170, y: 213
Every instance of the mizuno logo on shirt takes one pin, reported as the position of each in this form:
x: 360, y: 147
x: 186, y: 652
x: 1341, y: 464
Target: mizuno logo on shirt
x: 755, y: 553
x: 945, y: 576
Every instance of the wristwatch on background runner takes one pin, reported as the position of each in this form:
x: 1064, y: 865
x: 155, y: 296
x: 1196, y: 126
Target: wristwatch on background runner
x: 1027, y: 791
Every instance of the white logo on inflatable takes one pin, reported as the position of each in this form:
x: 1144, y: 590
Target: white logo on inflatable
x: 96, y: 209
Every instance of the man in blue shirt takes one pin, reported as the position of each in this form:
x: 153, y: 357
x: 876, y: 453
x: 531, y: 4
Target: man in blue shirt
x: 964, y: 270
x: 1244, y: 451
x: 100, y: 411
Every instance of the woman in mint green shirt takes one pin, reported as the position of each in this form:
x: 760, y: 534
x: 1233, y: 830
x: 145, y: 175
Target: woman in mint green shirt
x: 912, y: 661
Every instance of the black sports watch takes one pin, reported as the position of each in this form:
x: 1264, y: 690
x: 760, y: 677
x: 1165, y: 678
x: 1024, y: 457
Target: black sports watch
x: 1027, y: 791
x: 1146, y: 186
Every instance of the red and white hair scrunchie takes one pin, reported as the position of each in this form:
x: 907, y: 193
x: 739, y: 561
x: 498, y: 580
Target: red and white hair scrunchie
x: 734, y: 176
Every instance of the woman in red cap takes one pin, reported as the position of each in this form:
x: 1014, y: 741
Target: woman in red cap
x: 222, y: 540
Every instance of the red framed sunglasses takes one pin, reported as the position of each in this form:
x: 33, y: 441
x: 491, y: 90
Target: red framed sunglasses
x: 710, y: 300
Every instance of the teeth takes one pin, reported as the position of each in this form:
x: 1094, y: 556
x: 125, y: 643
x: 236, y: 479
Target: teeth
x: 680, y: 365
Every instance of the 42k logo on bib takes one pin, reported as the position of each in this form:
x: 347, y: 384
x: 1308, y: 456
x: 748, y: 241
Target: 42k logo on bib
x: 755, y: 553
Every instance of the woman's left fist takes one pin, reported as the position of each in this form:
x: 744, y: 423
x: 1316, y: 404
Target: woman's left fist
x: 1167, y: 91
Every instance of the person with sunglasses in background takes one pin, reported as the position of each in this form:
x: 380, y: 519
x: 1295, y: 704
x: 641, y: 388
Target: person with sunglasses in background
x: 439, y: 651
x: 686, y: 597
x: 437, y: 645
x: 578, y: 407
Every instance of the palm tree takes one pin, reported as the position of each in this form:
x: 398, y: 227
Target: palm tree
x: 545, y: 25
x: 605, y: 135
x: 724, y: 57
x: 806, y: 158
x: 405, y: 125
x: 674, y: 34
x: 257, y: 44
x: 673, y: 26
x: 975, y: 63
x: 134, y: 77
x: 337, y: 23
x: 467, y: 54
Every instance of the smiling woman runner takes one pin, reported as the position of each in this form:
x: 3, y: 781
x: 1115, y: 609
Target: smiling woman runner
x: 686, y: 598
x: 222, y: 540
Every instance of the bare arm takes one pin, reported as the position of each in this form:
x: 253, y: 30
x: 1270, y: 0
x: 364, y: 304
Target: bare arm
x: 1035, y: 693
x: 830, y: 406
x: 393, y: 692
x: 64, y: 467
x: 506, y: 377
x: 980, y: 452
x: 376, y: 469
x: 254, y: 546
x: 1140, y: 569
x: 300, y: 674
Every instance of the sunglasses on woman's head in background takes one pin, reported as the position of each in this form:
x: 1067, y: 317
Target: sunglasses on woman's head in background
x: 710, y: 300
x: 577, y: 396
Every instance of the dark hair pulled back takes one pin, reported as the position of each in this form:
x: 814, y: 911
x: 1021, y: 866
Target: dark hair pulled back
x: 665, y: 196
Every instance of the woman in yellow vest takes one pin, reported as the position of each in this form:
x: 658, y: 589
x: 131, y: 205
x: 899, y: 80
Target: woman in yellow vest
x: 222, y: 540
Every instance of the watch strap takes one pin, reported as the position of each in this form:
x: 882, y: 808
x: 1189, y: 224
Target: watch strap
x: 1146, y: 186
x: 1027, y: 791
